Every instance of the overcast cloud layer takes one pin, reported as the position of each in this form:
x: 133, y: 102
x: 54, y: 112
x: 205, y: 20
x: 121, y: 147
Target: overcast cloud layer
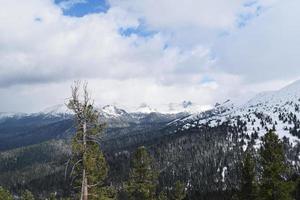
x: 141, y: 51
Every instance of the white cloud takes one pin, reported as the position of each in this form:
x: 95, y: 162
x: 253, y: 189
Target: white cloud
x: 267, y: 48
x: 43, y: 50
x: 177, y: 14
x: 41, y: 46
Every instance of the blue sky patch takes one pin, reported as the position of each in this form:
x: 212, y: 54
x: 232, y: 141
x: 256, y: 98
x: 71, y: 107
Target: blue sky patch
x: 207, y: 79
x: 250, y: 3
x: 245, y: 18
x: 141, y: 30
x: 80, y: 8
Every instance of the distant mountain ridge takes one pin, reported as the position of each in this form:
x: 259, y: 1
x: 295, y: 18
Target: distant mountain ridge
x: 275, y: 110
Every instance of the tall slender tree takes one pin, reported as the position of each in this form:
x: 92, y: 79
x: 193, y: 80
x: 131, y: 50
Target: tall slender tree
x: 88, y: 168
x: 249, y: 187
x: 274, y: 185
x: 142, y: 178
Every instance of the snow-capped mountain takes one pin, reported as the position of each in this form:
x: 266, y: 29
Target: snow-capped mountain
x: 144, y: 108
x: 56, y: 111
x: 111, y: 111
x: 173, y: 108
x: 186, y: 106
x: 6, y: 115
x: 276, y: 110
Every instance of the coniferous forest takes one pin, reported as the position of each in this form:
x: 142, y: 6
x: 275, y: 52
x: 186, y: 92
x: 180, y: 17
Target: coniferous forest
x: 84, y: 165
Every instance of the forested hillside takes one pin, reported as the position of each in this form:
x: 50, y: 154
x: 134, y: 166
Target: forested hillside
x: 203, y: 151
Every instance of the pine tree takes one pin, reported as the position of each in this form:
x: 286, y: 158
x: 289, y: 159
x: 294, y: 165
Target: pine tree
x: 52, y: 196
x: 89, y: 168
x: 5, y: 195
x: 249, y: 188
x: 142, y: 178
x: 273, y: 183
x: 178, y: 192
x: 27, y: 195
x: 162, y: 196
x: 297, y: 189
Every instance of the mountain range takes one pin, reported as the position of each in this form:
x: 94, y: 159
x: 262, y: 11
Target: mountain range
x: 199, y: 146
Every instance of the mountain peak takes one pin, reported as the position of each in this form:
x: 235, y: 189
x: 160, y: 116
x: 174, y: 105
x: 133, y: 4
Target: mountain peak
x: 145, y: 108
x: 59, y: 109
x: 112, y: 110
x: 186, y: 104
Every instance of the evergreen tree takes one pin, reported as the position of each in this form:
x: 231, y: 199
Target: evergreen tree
x: 89, y: 168
x: 162, y: 196
x: 142, y: 178
x: 297, y: 189
x: 5, y: 195
x: 52, y: 196
x: 273, y: 183
x: 27, y: 195
x: 178, y: 192
x: 249, y: 188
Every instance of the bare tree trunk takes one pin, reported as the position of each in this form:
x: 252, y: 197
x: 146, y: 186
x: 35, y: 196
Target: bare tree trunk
x: 84, y: 189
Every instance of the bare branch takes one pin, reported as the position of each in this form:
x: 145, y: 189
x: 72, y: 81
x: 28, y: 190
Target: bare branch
x: 75, y: 166
x: 66, y: 168
x: 94, y: 185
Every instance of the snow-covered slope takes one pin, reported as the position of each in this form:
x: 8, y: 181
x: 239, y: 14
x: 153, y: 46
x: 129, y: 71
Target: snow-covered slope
x: 56, y: 110
x: 144, y: 108
x: 277, y: 110
x: 111, y: 111
x: 6, y: 115
x: 186, y: 106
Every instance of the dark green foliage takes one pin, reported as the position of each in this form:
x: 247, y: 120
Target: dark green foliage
x: 30, y: 130
x: 273, y: 182
x: 39, y: 168
x: 27, y: 195
x: 5, y: 195
x: 249, y: 187
x: 142, y: 178
x: 52, y: 196
x: 297, y: 189
x: 178, y: 193
x: 162, y: 196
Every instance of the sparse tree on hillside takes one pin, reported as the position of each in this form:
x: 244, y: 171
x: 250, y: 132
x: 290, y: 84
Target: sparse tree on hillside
x: 178, y: 193
x: 89, y: 168
x: 162, y: 196
x: 52, y: 196
x: 5, y: 195
x: 142, y: 178
x: 274, y: 185
x: 27, y: 195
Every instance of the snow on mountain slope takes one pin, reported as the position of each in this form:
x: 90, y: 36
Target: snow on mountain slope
x: 5, y: 115
x: 186, y: 106
x: 56, y: 110
x: 144, y: 108
x: 112, y: 111
x: 277, y: 110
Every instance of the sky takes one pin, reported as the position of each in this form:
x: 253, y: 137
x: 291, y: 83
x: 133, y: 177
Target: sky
x: 155, y: 52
